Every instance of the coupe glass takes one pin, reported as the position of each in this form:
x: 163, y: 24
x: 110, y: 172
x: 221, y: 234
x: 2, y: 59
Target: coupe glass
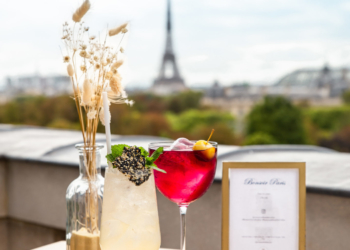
x: 188, y: 176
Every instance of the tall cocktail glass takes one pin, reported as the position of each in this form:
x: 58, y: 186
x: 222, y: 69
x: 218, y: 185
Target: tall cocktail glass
x: 129, y: 214
x: 188, y: 176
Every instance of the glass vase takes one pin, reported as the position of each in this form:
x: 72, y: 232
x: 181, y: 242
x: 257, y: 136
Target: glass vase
x: 84, y: 201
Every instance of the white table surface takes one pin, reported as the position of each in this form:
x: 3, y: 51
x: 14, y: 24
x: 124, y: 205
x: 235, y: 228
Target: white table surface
x: 61, y: 245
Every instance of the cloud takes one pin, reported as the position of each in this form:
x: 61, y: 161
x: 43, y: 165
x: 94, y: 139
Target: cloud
x: 231, y: 41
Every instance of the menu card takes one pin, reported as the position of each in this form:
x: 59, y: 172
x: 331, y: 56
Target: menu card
x: 263, y: 206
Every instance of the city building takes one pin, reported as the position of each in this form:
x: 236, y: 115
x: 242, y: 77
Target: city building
x: 169, y: 80
x: 313, y: 87
x: 36, y: 85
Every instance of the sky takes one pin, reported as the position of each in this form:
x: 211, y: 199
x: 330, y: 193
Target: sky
x: 230, y: 41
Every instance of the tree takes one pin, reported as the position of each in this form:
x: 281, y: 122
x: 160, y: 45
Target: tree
x: 184, y: 101
x: 278, y: 118
x: 346, y: 97
x: 259, y: 138
x: 188, y: 121
x: 340, y: 141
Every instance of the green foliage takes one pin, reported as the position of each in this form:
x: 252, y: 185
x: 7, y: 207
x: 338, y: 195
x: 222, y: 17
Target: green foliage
x: 148, y: 102
x: 278, y: 118
x: 329, y: 118
x: 346, y: 97
x: 259, y: 138
x: 144, y: 152
x: 117, y: 151
x: 185, y: 117
x: 197, y: 124
x: 174, y: 103
x: 339, y: 141
x: 155, y: 154
x: 184, y: 101
x: 62, y: 123
x: 151, y: 159
x: 40, y: 111
x: 224, y: 133
x: 110, y: 158
x: 190, y: 120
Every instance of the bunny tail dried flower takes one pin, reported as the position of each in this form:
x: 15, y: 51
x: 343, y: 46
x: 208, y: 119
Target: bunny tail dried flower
x: 108, y: 75
x: 116, y: 31
x: 70, y: 70
x: 81, y: 11
x: 91, y: 114
x: 87, y: 92
x: 115, y: 84
x: 117, y: 64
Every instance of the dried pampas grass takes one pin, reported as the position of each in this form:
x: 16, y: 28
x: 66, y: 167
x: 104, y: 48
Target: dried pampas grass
x: 115, y: 84
x: 70, y: 70
x: 116, y: 31
x: 81, y: 11
x: 87, y: 92
x: 117, y: 64
x: 91, y: 114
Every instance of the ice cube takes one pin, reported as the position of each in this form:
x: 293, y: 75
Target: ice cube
x: 181, y: 144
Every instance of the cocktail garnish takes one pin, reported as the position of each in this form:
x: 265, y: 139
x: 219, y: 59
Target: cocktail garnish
x: 212, y: 132
x: 134, y: 162
x: 207, y: 150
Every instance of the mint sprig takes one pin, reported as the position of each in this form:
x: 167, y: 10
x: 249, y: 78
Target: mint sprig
x: 151, y: 159
x: 117, y: 151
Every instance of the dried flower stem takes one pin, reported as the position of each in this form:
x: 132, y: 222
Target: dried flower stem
x: 81, y: 120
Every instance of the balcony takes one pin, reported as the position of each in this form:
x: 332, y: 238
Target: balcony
x: 37, y: 165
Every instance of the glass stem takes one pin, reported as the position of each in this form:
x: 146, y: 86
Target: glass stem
x: 183, y: 210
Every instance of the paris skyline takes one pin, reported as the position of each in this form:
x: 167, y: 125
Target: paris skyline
x: 223, y: 40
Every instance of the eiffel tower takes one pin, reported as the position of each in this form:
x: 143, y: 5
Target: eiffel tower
x: 166, y: 84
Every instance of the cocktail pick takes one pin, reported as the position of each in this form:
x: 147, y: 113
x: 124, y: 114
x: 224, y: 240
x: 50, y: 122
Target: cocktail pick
x: 212, y: 132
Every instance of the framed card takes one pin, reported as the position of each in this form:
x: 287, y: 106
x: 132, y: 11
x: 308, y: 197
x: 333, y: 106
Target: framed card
x: 263, y: 206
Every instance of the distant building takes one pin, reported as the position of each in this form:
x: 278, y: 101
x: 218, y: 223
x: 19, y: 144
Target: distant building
x: 315, y: 87
x: 169, y: 80
x: 325, y: 82
x: 37, y: 85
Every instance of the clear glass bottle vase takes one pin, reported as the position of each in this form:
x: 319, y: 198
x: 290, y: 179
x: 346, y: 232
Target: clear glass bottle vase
x: 84, y: 198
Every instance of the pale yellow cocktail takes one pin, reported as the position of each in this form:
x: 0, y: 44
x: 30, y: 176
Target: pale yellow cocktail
x: 129, y: 215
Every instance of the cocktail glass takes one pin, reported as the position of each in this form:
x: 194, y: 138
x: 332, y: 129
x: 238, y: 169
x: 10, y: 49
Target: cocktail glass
x: 188, y: 176
x: 129, y: 214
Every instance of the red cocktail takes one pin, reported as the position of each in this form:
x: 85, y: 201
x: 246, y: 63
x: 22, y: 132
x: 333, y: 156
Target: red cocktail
x: 189, y: 174
x: 188, y: 177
